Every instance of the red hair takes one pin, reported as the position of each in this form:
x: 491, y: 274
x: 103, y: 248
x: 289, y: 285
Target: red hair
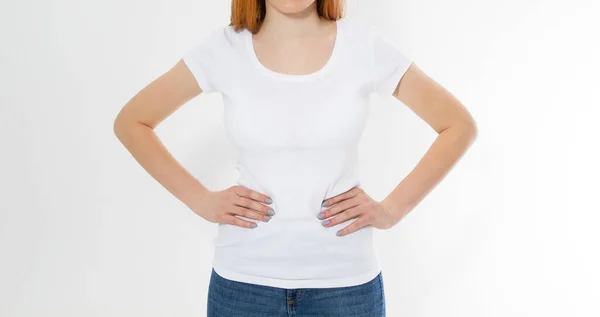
x: 250, y: 14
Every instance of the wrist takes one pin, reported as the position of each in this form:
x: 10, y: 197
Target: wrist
x: 394, y: 209
x: 198, y: 199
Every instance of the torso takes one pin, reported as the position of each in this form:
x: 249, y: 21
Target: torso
x: 296, y: 116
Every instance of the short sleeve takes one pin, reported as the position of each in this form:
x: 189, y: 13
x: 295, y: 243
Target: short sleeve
x: 202, y: 60
x: 389, y: 63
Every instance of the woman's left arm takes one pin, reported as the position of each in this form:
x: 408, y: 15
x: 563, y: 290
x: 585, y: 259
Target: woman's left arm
x: 456, y: 130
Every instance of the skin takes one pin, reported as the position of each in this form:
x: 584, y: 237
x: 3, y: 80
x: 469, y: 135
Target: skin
x: 294, y: 40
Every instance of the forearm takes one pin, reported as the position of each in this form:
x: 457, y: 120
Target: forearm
x: 147, y: 149
x: 442, y: 155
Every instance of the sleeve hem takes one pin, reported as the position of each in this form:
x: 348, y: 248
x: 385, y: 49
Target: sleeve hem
x: 388, y: 87
x: 199, y: 75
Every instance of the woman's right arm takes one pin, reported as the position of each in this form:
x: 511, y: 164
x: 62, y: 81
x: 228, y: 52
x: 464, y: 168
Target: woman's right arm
x: 134, y: 127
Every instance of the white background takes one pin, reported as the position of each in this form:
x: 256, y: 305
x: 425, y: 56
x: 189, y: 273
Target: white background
x: 511, y: 231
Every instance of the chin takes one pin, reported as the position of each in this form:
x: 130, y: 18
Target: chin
x: 291, y: 6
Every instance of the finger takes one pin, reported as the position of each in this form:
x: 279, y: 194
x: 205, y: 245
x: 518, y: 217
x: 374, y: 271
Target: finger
x: 249, y: 213
x: 343, y: 196
x: 339, y: 208
x: 252, y: 194
x: 231, y: 219
x: 357, y: 224
x: 344, y: 216
x: 254, y: 205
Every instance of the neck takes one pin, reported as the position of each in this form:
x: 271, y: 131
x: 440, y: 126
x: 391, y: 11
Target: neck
x: 295, y: 25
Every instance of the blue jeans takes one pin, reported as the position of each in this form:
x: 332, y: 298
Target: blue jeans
x: 227, y: 298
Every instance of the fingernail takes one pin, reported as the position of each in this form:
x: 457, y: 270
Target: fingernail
x: 266, y: 217
x: 321, y: 215
x: 253, y: 225
x: 271, y: 212
x: 326, y: 222
x: 324, y: 203
x: 339, y: 233
x: 268, y: 200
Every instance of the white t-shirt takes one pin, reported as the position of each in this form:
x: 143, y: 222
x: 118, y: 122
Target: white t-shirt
x: 297, y: 138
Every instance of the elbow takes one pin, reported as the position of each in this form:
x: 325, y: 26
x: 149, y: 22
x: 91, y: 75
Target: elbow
x: 474, y: 128
x: 118, y: 126
x: 125, y: 126
x: 471, y: 130
x: 466, y: 130
x: 121, y: 126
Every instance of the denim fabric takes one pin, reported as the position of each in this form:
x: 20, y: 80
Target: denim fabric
x: 227, y: 298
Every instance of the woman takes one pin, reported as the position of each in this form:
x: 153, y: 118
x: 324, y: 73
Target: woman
x: 295, y: 232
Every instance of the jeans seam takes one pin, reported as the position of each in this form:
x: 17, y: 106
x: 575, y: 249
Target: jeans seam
x: 382, y: 292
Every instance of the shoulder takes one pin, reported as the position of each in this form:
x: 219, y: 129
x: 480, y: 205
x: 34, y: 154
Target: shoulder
x: 222, y: 38
x: 357, y: 40
x: 356, y: 31
x: 231, y: 37
x: 365, y: 34
x: 212, y: 55
x: 358, y: 36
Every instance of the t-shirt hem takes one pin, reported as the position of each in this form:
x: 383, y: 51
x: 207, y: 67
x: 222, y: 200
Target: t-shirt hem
x: 293, y: 284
